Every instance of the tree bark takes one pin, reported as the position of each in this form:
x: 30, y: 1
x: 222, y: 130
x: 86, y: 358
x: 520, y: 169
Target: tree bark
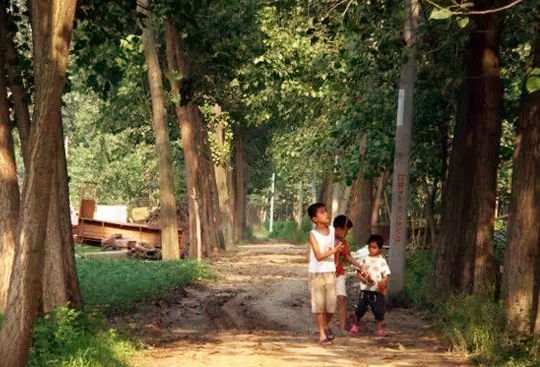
x: 9, y: 192
x: 52, y: 24
x: 361, y: 207
x: 60, y: 283
x: 168, y: 219
x: 15, y: 81
x: 361, y: 202
x: 223, y: 180
x: 378, y: 198
x: 464, y: 256
x: 239, y: 178
x: 299, y: 206
x: 200, y: 176
x: 520, y: 280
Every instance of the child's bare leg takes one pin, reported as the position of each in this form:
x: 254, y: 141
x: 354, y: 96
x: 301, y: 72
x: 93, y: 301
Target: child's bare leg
x: 342, y: 311
x: 322, y: 325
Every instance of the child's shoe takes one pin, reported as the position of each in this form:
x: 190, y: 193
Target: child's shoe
x: 329, y: 334
x: 353, y: 331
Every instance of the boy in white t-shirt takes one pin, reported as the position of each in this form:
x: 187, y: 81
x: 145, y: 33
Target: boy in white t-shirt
x: 322, y: 269
x: 374, y: 275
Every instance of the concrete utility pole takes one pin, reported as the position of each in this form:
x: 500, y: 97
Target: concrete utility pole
x: 400, y: 184
x: 271, y: 226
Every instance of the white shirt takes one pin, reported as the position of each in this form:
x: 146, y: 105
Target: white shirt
x: 377, y: 268
x: 325, y: 243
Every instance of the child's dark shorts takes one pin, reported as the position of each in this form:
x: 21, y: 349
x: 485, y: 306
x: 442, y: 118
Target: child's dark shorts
x: 373, y: 300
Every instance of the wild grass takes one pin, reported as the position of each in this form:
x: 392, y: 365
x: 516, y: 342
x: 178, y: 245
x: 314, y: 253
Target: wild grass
x: 471, y: 324
x: 288, y: 231
x: 82, y: 338
x: 118, y: 284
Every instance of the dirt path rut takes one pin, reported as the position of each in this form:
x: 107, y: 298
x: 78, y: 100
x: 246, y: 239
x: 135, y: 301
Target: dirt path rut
x: 257, y: 314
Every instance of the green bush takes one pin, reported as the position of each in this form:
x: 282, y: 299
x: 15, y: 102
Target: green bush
x: 418, y: 277
x: 472, y: 325
x: 120, y: 283
x: 68, y: 338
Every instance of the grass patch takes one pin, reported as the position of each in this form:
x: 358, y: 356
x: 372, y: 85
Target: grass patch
x: 472, y: 325
x: 288, y: 231
x: 81, y: 249
x: 120, y: 283
x: 69, y: 338
x: 72, y: 338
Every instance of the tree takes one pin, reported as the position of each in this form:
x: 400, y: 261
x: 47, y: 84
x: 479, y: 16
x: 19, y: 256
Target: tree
x: 204, y: 212
x: 52, y: 24
x: 169, y: 222
x: 9, y: 188
x: 521, y: 265
x: 464, y: 255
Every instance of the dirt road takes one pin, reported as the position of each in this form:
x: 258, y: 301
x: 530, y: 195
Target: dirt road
x: 257, y: 314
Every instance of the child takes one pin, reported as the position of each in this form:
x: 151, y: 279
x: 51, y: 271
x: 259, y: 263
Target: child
x: 373, y: 284
x: 342, y: 226
x: 322, y: 277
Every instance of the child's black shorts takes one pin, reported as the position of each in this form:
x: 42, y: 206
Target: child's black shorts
x: 373, y: 300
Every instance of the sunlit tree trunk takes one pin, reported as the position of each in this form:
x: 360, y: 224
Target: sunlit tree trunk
x: 60, y: 283
x: 168, y: 219
x: 464, y: 255
x: 200, y: 176
x: 520, y: 280
x: 222, y: 169
x: 239, y: 180
x: 52, y: 24
x: 9, y: 193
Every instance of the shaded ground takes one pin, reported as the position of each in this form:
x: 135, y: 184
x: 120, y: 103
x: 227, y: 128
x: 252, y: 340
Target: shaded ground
x: 257, y: 314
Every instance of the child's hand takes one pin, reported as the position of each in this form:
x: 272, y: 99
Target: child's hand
x: 340, y: 246
x: 381, y: 286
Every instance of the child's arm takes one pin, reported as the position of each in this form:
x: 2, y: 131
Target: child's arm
x: 382, y: 285
x: 353, y: 261
x: 317, y: 252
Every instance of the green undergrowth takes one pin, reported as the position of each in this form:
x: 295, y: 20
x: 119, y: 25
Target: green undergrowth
x: 472, y: 325
x: 288, y: 231
x: 117, y: 284
x: 69, y: 338
x: 82, y: 338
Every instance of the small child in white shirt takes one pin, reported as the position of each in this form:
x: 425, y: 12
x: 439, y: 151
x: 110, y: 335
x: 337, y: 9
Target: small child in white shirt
x: 373, y: 277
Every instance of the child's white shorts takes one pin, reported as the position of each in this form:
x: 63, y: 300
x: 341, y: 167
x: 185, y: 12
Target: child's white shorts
x: 341, y: 289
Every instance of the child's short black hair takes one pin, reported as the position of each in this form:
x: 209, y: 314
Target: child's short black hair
x: 312, y: 209
x: 341, y: 221
x: 377, y: 239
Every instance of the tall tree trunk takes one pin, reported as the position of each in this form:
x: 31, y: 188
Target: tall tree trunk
x: 325, y: 192
x: 223, y: 179
x: 60, y: 283
x: 360, y: 207
x: 520, y: 282
x: 360, y: 204
x: 379, y: 197
x: 240, y: 190
x: 9, y: 193
x: 400, y: 180
x: 15, y: 81
x: 299, y: 206
x: 200, y: 176
x: 169, y: 221
x: 464, y: 255
x: 52, y: 24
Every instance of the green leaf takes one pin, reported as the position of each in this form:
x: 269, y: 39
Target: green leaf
x: 462, y: 21
x: 532, y: 84
x: 440, y: 14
